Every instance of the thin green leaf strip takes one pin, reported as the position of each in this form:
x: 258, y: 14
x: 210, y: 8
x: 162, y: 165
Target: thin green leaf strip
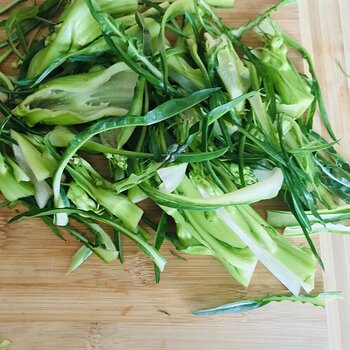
x: 248, y: 305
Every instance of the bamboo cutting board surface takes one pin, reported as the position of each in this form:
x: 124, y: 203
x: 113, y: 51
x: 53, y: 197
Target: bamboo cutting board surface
x: 119, y: 306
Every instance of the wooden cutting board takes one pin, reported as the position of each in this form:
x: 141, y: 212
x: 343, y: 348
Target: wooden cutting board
x: 120, y: 307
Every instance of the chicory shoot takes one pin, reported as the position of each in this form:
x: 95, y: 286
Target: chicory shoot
x: 185, y: 114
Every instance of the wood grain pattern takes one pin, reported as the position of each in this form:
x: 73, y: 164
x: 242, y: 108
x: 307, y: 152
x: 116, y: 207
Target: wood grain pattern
x: 116, y: 307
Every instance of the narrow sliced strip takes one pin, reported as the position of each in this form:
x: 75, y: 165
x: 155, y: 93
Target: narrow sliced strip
x: 247, y: 305
x: 265, y: 189
x: 280, y: 218
x: 296, y: 231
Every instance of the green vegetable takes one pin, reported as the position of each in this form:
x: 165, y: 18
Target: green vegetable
x: 230, y: 69
x: 139, y: 241
x: 266, y: 189
x: 289, y: 85
x: 77, y: 29
x: 41, y: 164
x: 247, y: 305
x: 182, y: 73
x: 26, y: 169
x: 330, y: 219
x: 80, y: 198
x: 279, y: 218
x: 247, y: 235
x: 160, y: 237
x: 103, y: 193
x: 160, y: 113
x: 79, y: 257
x: 12, y: 188
x: 80, y: 98
x: 61, y: 137
x: 296, y: 231
x: 123, y: 101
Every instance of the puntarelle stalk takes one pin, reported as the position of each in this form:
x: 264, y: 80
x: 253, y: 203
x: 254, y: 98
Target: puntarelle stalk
x: 203, y: 125
x: 77, y: 29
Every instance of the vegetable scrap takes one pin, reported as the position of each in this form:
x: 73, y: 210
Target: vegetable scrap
x: 185, y: 114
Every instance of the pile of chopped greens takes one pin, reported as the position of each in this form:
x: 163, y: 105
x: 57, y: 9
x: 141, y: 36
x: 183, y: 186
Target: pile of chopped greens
x: 181, y: 112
